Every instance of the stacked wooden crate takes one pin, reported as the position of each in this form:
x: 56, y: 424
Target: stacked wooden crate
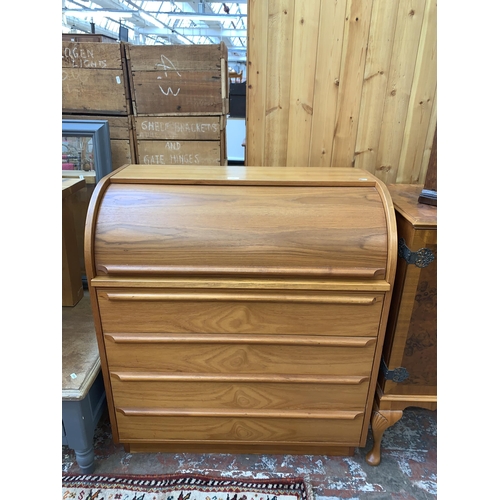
x: 95, y: 87
x: 180, y: 100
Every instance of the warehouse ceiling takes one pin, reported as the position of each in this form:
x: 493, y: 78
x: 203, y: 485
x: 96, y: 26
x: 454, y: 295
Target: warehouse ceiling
x: 154, y: 22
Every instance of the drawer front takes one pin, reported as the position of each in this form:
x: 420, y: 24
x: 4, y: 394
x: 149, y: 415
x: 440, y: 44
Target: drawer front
x: 132, y: 390
x: 217, y: 354
x: 345, y: 314
x: 251, y: 430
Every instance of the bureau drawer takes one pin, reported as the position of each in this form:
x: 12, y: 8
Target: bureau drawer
x: 238, y: 392
x: 240, y: 354
x: 346, y: 314
x: 255, y: 427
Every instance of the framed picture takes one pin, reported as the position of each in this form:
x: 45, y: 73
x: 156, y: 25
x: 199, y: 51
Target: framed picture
x: 86, y: 148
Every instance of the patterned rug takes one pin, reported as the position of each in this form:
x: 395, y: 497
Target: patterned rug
x: 181, y: 487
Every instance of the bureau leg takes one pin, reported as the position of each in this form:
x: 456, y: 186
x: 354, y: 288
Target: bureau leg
x: 381, y: 420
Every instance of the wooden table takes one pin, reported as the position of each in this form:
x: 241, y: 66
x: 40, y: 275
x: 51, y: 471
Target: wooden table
x: 83, y: 396
x: 408, y: 375
x: 72, y: 286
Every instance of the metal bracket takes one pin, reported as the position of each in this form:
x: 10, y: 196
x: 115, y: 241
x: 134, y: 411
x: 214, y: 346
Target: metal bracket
x: 421, y: 258
x: 396, y: 375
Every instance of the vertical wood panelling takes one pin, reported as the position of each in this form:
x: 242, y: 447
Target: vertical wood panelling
x: 256, y: 82
x: 378, y: 60
x: 421, y: 100
x: 429, y: 141
x: 279, y: 64
x: 404, y: 55
x: 342, y: 83
x: 351, y: 81
x: 305, y: 43
x: 326, y: 88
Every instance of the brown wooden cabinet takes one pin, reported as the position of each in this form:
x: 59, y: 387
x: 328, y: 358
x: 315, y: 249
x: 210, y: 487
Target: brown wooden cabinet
x: 240, y: 309
x: 72, y: 285
x: 408, y: 375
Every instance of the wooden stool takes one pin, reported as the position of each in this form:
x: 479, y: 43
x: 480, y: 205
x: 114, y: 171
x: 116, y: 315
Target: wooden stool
x: 83, y: 395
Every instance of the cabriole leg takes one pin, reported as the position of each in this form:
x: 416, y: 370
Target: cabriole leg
x: 381, y: 420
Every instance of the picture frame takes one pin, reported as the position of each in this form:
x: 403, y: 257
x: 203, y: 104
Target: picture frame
x: 87, y: 146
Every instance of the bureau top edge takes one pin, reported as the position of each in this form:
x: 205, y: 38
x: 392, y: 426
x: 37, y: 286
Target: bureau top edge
x: 242, y: 175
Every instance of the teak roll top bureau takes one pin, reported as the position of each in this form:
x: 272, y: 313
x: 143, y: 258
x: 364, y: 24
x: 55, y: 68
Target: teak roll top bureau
x: 240, y: 309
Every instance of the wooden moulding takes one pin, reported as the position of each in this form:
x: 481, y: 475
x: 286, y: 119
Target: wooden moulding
x: 180, y: 140
x: 178, y: 79
x: 94, y: 79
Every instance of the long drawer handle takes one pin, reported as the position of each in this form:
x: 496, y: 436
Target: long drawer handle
x: 237, y: 378
x: 193, y: 412
x: 194, y: 338
x: 241, y: 297
x: 331, y: 272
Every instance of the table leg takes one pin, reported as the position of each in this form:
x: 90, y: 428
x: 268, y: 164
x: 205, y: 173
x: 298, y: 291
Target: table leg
x: 78, y: 424
x: 381, y: 420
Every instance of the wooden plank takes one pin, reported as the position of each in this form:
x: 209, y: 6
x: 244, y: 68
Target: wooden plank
x: 201, y: 128
x: 403, y: 60
x: 358, y: 15
x: 326, y: 89
x: 88, y: 55
x: 238, y: 175
x: 378, y: 60
x: 167, y: 92
x: 179, y: 152
x: 173, y: 58
x: 257, y: 81
x: 305, y: 43
x: 430, y: 146
x: 421, y: 101
x: 279, y: 64
x: 99, y: 91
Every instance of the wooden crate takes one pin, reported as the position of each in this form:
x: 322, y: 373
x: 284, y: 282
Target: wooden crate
x: 178, y: 79
x: 121, y: 136
x: 94, y: 78
x: 87, y: 37
x: 181, y: 140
